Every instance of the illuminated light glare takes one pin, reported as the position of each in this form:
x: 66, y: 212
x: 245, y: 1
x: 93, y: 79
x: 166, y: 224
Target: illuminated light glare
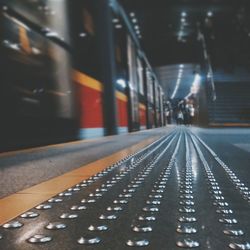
x: 136, y: 27
x: 121, y: 82
x: 183, y: 20
x: 181, y: 66
x: 115, y: 20
x: 183, y: 14
x: 118, y: 26
x: 209, y: 13
x: 134, y: 20
x: 194, y: 89
x: 176, y: 87
x: 132, y: 14
x: 83, y: 34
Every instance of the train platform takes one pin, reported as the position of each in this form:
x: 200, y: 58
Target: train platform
x: 167, y: 188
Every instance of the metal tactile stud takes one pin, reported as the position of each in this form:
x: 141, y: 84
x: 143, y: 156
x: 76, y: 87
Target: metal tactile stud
x: 153, y: 202
x: 98, y: 228
x: 218, y: 198
x: 242, y: 246
x: 125, y: 195
x: 184, y: 229
x: 221, y: 204
x: 187, y: 196
x: 120, y: 201
x: 29, y: 215
x: 89, y: 240
x: 228, y: 221
x: 108, y: 217
x: 224, y: 211
x: 187, y: 219
x: 96, y: 195
x: 137, y: 243
x: 76, y: 207
x: 55, y: 200
x: 115, y: 208
x: 55, y: 226
x: 150, y: 209
x: 65, y: 194
x: 13, y: 224
x: 155, y: 196
x: 187, y: 243
x: 88, y: 201
x: 43, y: 206
x: 39, y: 238
x: 68, y: 216
x: 233, y: 232
x: 146, y: 218
x: 101, y: 190
x: 187, y: 202
x: 142, y: 228
x: 187, y: 210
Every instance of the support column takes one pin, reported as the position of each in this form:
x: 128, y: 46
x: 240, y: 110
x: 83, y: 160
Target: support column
x: 106, y: 47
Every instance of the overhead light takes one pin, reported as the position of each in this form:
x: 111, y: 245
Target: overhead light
x: 121, y: 82
x: 83, y: 34
x: 183, y: 20
x: 132, y: 14
x: 183, y: 14
x: 134, y: 20
x: 196, y: 84
x: 181, y: 66
x: 115, y: 20
x: 118, y: 26
x: 209, y: 13
x: 136, y: 27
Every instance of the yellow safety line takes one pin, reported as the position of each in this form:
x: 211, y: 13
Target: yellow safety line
x: 16, y: 204
x: 230, y: 124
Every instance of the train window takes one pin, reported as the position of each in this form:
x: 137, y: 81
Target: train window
x: 133, y: 81
x: 50, y: 15
x: 88, y: 22
x: 35, y: 75
x: 120, y: 40
x: 85, y: 44
x: 140, y: 76
x: 156, y: 94
x: 133, y: 78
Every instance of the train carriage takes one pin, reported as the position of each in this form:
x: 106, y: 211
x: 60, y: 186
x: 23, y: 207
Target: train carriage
x: 52, y: 66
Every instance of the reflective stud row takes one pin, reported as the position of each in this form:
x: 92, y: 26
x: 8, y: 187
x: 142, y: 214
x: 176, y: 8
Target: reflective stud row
x: 185, y: 227
x: 222, y: 206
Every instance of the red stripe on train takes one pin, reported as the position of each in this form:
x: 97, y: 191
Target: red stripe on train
x: 90, y: 107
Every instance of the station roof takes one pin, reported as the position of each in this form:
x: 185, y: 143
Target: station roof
x: 168, y: 31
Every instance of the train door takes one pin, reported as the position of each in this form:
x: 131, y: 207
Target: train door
x: 121, y: 57
x: 37, y: 98
x: 150, y: 99
x: 86, y: 70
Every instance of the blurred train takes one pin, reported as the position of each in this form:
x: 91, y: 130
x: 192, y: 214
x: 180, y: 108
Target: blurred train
x: 61, y: 64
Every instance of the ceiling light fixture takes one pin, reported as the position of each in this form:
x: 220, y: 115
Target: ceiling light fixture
x: 209, y: 13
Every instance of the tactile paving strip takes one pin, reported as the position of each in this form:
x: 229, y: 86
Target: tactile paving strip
x: 175, y: 193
